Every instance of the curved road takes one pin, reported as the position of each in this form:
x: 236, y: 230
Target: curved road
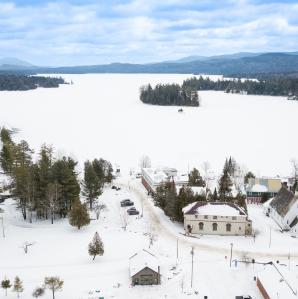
x: 154, y: 218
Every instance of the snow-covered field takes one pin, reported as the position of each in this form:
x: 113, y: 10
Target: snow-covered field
x: 60, y: 249
x: 101, y: 116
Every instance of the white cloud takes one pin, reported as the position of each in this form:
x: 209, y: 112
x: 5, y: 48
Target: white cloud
x: 60, y: 33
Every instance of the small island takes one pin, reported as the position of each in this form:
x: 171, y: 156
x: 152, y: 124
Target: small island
x: 169, y: 95
x: 15, y: 82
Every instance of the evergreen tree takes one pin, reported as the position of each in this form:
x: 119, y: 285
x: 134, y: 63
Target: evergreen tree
x: 240, y: 200
x: 91, y: 185
x: 195, y: 179
x: 18, y: 286
x: 7, y: 153
x: 54, y: 284
x: 64, y: 173
x: 225, y: 186
x: 160, y: 195
x: 96, y: 247
x: 184, y: 198
x: 264, y: 197
x: 78, y: 215
x: 215, y: 196
x: 248, y: 176
x: 5, y: 284
x: 170, y: 200
x: 38, y: 292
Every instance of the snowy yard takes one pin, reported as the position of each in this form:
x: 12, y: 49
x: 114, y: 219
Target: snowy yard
x: 60, y: 249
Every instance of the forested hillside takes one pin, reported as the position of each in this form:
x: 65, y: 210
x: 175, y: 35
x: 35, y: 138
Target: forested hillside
x: 276, y: 86
x: 23, y: 82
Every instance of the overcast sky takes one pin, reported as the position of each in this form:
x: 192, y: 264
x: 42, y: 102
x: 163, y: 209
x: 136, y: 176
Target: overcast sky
x: 78, y: 32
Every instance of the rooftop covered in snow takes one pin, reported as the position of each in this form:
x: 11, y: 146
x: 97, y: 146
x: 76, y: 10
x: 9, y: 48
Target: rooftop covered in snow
x: 213, y: 208
x: 141, y: 260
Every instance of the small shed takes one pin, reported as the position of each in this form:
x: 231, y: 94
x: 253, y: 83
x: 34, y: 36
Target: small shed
x: 144, y: 268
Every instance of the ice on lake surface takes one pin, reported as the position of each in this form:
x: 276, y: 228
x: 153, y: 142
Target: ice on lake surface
x: 100, y: 115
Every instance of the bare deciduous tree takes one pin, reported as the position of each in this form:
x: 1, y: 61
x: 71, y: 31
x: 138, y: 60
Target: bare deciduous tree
x: 145, y: 162
x: 152, y: 235
x: 53, y: 191
x: 206, y: 168
x: 98, y: 208
x: 26, y: 245
x: 294, y: 164
x: 124, y: 219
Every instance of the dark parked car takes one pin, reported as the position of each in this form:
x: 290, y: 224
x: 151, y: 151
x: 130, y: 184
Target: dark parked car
x: 133, y: 211
x: 126, y: 203
x: 243, y: 297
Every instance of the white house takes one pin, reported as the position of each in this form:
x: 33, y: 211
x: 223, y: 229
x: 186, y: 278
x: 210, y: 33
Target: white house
x: 216, y: 218
x: 154, y: 177
x: 283, y: 208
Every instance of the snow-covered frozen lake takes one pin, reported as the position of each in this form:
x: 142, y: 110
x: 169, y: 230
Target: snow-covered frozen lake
x: 100, y: 115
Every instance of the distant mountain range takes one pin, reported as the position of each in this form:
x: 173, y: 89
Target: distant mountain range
x: 10, y: 63
x: 238, y: 63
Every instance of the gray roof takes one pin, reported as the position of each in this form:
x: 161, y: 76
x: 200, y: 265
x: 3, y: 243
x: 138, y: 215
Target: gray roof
x: 283, y: 201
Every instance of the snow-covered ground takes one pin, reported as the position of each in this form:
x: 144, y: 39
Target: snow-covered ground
x: 61, y: 250
x: 100, y: 115
x: 268, y: 241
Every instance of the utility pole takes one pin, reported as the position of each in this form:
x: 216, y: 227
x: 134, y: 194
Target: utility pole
x: 192, y: 254
x: 231, y: 254
x: 270, y: 238
x: 2, y: 222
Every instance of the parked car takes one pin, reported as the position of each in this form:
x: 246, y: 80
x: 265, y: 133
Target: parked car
x: 114, y: 187
x: 126, y: 203
x: 133, y: 211
x: 243, y: 297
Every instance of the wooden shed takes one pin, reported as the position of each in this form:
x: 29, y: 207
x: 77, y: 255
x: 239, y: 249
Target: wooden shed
x: 144, y: 268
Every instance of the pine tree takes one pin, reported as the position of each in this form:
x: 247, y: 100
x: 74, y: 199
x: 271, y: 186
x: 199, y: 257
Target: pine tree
x: 54, y: 284
x: 170, y: 200
x: 5, y: 284
x: 38, y: 292
x: 64, y: 173
x: 91, y: 185
x: 18, y: 286
x: 225, y: 184
x: 248, y: 176
x: 96, y: 247
x: 78, y: 215
x: 195, y: 179
x: 215, y: 196
x: 7, y: 153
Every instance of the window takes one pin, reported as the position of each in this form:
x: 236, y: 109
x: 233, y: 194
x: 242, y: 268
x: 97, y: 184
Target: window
x: 205, y: 217
x: 214, y: 226
x: 214, y: 217
x: 239, y: 227
x: 196, y: 216
x: 201, y: 226
x: 234, y: 218
x: 228, y: 227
